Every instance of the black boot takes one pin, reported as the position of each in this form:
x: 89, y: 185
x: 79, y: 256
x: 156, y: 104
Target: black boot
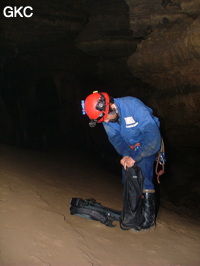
x: 149, y: 209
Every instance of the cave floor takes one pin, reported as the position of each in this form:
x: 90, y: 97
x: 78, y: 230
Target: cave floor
x: 37, y: 228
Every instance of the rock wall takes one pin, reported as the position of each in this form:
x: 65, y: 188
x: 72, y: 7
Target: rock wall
x: 168, y: 60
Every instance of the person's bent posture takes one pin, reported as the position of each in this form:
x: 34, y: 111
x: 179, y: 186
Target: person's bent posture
x: 134, y: 132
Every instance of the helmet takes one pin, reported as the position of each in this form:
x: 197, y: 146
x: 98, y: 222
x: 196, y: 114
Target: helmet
x: 97, y: 106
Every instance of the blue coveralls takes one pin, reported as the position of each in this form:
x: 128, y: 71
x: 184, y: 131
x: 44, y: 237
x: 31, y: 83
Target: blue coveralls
x: 136, y: 125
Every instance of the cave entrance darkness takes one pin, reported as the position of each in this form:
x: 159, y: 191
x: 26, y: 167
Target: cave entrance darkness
x: 52, y: 61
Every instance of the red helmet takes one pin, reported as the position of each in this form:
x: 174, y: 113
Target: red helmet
x: 97, y: 106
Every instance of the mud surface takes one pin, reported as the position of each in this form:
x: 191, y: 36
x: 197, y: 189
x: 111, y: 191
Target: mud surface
x: 37, y: 228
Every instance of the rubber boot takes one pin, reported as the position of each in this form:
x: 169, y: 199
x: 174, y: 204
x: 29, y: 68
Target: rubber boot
x: 149, y: 209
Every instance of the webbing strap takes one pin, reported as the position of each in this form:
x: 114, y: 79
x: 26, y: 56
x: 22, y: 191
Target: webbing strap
x: 93, y: 215
x: 162, y: 170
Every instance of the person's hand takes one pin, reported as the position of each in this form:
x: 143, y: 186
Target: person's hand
x: 122, y: 161
x: 127, y: 161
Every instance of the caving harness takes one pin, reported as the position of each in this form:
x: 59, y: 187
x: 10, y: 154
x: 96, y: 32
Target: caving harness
x: 160, y: 161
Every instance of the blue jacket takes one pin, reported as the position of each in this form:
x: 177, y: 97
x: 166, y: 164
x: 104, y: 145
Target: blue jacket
x: 137, y: 125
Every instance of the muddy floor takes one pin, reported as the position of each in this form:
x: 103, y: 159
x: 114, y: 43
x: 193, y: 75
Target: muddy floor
x: 37, y: 228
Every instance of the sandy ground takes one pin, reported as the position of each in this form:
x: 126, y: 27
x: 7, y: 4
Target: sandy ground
x: 37, y: 228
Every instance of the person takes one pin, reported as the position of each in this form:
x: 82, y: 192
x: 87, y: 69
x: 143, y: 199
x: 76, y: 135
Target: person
x: 134, y: 132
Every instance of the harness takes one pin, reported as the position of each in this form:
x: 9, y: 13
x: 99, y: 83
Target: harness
x: 160, y: 160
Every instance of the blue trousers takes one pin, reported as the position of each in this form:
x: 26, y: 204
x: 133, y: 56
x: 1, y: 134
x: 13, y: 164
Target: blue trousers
x: 147, y: 166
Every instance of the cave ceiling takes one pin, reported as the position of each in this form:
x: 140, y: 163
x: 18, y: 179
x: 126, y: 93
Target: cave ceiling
x: 159, y: 37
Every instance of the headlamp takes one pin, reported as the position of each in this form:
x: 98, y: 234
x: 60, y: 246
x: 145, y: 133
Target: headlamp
x: 83, y: 107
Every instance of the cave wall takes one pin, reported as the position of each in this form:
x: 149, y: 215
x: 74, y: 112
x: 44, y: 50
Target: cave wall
x: 168, y: 60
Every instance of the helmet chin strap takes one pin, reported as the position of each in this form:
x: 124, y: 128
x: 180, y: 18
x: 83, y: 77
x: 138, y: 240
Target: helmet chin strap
x: 112, y: 112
